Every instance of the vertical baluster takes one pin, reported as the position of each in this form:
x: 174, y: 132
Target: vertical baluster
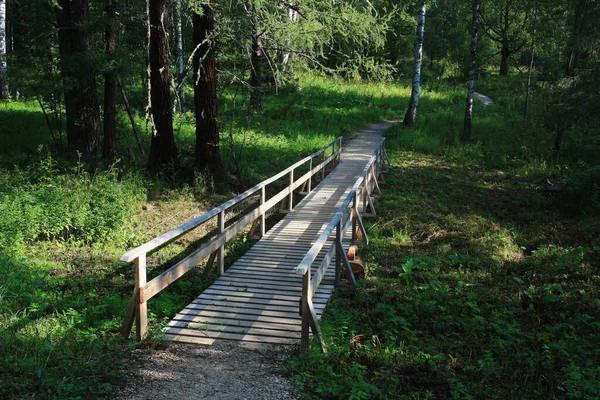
x: 141, y: 317
x: 221, y: 256
x: 310, y: 167
x: 305, y: 310
x: 291, y: 194
x: 354, y: 216
x: 262, y: 215
x: 338, y: 252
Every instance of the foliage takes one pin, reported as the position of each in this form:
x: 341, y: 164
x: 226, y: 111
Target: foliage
x: 43, y: 203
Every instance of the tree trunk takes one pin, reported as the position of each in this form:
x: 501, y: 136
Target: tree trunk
x: 180, y: 61
x: 3, y: 65
x: 411, y: 113
x: 292, y: 17
x: 561, y: 128
x: 109, y: 149
x: 472, y: 71
x: 163, y: 150
x: 505, y: 50
x: 255, y: 59
x: 208, y: 155
x: 81, y: 101
x: 530, y: 68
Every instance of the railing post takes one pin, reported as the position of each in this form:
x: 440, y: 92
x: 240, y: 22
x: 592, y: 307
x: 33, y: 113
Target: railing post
x: 338, y: 254
x: 339, y: 156
x: 291, y: 195
x: 324, y: 166
x: 262, y: 215
x: 354, y: 216
x: 305, y: 311
x: 221, y: 256
x: 141, y: 317
x: 310, y: 167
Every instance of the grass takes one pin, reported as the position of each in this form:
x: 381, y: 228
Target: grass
x: 477, y: 287
x: 65, y: 223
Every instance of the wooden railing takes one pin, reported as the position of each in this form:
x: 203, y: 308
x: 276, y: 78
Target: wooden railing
x: 365, y: 188
x: 215, y: 248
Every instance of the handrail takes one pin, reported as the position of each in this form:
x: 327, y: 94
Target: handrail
x: 143, y: 290
x: 367, y: 183
x: 182, y: 229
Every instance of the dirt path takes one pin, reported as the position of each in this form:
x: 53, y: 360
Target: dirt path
x: 226, y: 370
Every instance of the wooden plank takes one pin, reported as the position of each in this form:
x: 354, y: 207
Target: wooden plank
x: 259, y: 294
x: 245, y: 330
x: 179, y: 332
x: 232, y: 315
x: 202, y: 303
x: 237, y: 311
x: 238, y: 322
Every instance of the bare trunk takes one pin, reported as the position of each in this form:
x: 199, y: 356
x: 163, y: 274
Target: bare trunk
x: 163, y: 150
x: 505, y: 50
x: 180, y: 61
x: 293, y: 17
x: 3, y: 65
x: 109, y: 149
x: 411, y: 113
x: 530, y: 68
x: 561, y: 128
x: 81, y: 101
x: 472, y: 71
x: 205, y: 92
x: 255, y: 58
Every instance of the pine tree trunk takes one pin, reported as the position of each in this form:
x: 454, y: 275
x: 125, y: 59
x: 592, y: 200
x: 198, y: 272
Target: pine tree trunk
x: 163, y: 150
x: 3, y: 65
x: 180, y: 61
x: 109, y: 149
x: 81, y: 100
x: 255, y: 59
x: 472, y: 71
x: 208, y: 154
x: 411, y: 113
x: 505, y: 49
x: 530, y: 68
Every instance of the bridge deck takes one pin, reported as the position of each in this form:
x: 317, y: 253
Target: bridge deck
x: 257, y: 299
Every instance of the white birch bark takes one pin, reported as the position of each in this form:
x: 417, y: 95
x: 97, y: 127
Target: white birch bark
x: 180, y: 61
x: 293, y: 17
x: 472, y: 70
x: 411, y: 113
x: 3, y: 64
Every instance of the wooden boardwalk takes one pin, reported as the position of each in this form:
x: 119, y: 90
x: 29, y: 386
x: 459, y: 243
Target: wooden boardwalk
x: 256, y: 300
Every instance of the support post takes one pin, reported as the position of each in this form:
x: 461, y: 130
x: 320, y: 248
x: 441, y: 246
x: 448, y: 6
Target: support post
x: 354, y: 216
x: 338, y: 255
x: 291, y: 194
x: 141, y: 317
x: 310, y: 167
x: 262, y: 216
x: 305, y: 311
x: 324, y: 167
x: 221, y: 256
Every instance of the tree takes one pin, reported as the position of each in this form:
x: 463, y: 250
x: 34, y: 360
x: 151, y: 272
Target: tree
x: 413, y: 105
x: 256, y: 57
x: 530, y: 67
x: 109, y: 149
x: 500, y: 28
x: 180, y: 62
x: 3, y: 66
x: 163, y: 150
x: 472, y: 70
x: 205, y: 91
x: 79, y: 77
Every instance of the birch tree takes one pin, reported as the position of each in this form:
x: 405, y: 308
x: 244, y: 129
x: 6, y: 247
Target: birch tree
x: 180, y: 61
x: 472, y: 70
x: 3, y: 65
x: 163, y: 150
x: 411, y: 113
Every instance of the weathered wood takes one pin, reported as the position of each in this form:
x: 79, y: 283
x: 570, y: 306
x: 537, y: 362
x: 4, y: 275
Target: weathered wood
x: 141, y: 317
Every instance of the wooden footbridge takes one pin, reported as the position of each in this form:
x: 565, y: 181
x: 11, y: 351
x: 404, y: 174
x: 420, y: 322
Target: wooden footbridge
x: 277, y: 292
